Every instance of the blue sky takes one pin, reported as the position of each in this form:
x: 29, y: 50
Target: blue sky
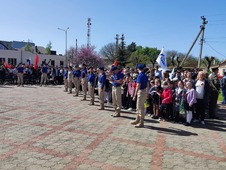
x: 173, y: 24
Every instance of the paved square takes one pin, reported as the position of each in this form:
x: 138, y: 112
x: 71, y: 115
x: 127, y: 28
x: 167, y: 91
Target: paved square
x: 43, y: 128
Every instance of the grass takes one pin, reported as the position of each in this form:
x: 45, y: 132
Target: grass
x: 220, y: 97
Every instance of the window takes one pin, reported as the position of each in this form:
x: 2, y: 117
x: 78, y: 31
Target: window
x: 61, y: 63
x: 12, y: 61
x: 1, y: 60
x: 53, y: 63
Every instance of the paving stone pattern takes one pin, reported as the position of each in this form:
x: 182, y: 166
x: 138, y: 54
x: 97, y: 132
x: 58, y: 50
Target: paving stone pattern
x: 44, y: 128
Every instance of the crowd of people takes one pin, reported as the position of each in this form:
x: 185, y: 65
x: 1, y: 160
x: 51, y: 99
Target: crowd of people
x: 22, y: 74
x: 180, y: 96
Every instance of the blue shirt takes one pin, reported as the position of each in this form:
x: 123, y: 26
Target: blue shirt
x: 20, y: 69
x: 77, y: 73
x: 84, y: 72
x: 117, y: 76
x: 65, y: 74
x: 102, y: 80
x: 44, y: 69
x: 91, y: 78
x: 143, y: 80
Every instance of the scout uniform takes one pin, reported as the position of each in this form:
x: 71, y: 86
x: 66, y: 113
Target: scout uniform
x: 116, y: 90
x: 20, y: 77
x: 101, y: 86
x: 141, y: 93
x: 65, y: 79
x: 91, y: 86
x: 84, y: 81
x: 44, y: 75
x: 69, y: 78
x: 77, y: 79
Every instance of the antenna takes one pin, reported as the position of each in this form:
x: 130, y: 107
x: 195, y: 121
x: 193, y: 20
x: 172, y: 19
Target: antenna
x: 88, y: 33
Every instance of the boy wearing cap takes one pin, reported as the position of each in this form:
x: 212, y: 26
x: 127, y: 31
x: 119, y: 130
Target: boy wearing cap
x: 84, y: 81
x: 77, y: 79
x: 141, y: 93
x: 117, y: 81
x: 91, y: 86
x: 101, y: 86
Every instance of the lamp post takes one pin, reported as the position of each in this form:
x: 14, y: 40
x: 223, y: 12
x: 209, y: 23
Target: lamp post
x: 65, y: 30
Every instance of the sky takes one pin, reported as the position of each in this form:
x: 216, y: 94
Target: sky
x: 172, y: 24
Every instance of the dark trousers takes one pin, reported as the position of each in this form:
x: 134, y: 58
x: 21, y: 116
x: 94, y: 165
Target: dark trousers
x: 200, y: 109
x: 213, y: 103
x: 224, y: 96
x: 166, y: 111
x: 125, y: 101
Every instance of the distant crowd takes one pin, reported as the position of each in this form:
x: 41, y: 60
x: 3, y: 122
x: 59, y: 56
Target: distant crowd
x: 180, y: 96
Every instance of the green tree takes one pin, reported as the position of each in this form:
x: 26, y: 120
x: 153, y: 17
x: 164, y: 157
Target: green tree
x: 48, y: 48
x: 122, y: 55
x: 28, y: 47
x: 131, y: 48
x: 151, y: 54
x: 137, y: 57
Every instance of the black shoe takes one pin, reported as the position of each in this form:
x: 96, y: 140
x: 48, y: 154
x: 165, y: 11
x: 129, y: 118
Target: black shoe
x: 155, y: 117
x: 187, y: 124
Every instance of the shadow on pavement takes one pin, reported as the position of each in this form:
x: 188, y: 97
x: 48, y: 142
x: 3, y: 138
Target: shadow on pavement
x: 172, y: 131
x: 215, y: 125
x: 5, y: 87
x: 146, y: 120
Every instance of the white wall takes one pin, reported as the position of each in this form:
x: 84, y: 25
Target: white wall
x: 22, y: 56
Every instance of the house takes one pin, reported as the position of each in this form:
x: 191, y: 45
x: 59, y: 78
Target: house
x: 13, y: 52
x: 222, y: 68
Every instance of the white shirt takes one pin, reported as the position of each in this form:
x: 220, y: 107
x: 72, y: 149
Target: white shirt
x: 200, y: 89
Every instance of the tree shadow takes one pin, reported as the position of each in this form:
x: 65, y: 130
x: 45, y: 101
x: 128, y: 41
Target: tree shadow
x: 171, y: 131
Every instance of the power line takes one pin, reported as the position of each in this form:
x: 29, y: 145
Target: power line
x: 215, y: 50
x: 213, y: 15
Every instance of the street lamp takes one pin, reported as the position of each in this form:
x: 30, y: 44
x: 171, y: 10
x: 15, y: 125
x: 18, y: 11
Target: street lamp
x: 65, y: 30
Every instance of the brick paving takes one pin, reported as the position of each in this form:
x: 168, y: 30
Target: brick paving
x: 43, y: 128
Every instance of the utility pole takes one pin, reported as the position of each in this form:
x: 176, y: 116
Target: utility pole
x: 122, y: 38
x: 204, y: 22
x: 202, y: 29
x: 88, y: 33
x: 65, y: 30
x: 117, y: 38
x: 76, y: 48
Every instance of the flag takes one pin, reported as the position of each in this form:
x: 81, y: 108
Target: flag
x: 115, y: 62
x: 36, y: 62
x: 172, y: 74
x: 161, y: 60
x: 7, y: 65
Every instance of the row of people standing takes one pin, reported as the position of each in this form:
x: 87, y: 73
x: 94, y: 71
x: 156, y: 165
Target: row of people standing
x: 21, y: 74
x: 116, y: 78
